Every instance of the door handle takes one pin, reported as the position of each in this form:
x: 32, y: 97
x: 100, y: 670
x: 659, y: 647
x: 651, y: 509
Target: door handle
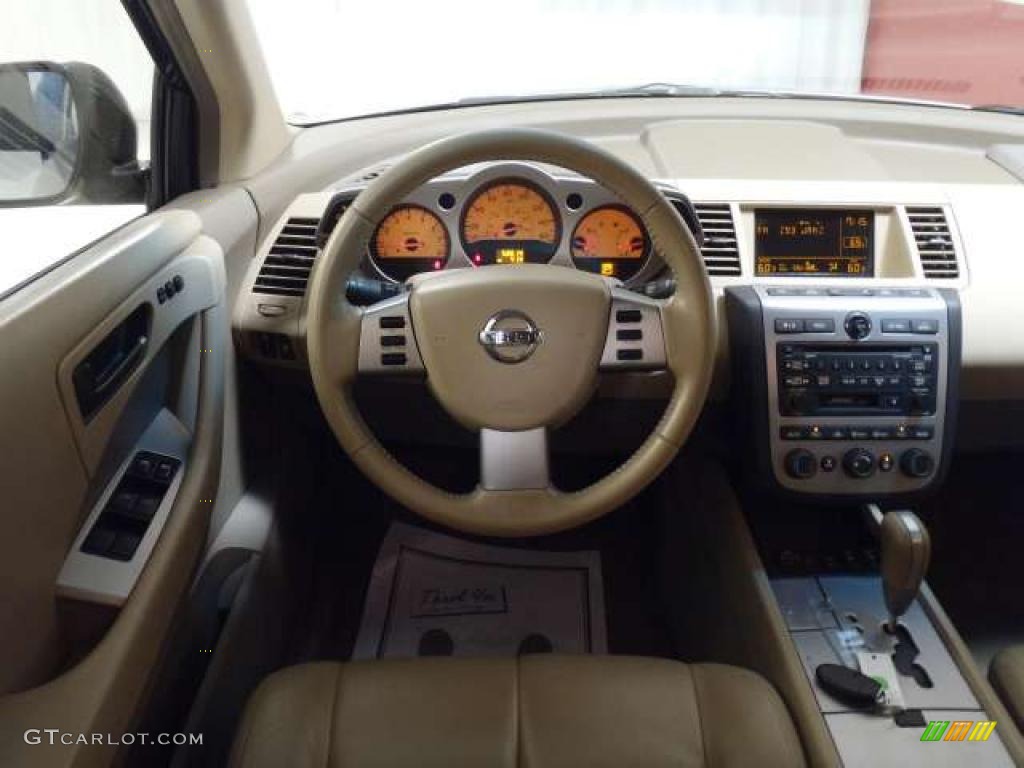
x: 110, y: 363
x: 118, y: 368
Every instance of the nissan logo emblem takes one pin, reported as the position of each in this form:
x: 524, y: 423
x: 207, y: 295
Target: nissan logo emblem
x: 510, y: 336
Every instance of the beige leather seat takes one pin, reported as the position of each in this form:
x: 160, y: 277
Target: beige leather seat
x: 1007, y: 676
x: 532, y: 711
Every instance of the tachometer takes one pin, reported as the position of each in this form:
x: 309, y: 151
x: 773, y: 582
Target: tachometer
x: 510, y: 222
x: 409, y: 240
x: 610, y: 241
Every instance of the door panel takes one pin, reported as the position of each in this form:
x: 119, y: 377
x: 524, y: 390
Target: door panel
x: 57, y: 463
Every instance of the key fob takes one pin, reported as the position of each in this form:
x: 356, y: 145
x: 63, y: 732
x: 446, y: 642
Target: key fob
x: 848, y: 685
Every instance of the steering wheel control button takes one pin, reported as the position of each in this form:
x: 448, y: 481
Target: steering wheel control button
x: 917, y: 463
x: 789, y: 325
x: 859, y: 463
x: 801, y: 464
x: 510, y: 336
x: 857, y: 325
x: 628, y: 316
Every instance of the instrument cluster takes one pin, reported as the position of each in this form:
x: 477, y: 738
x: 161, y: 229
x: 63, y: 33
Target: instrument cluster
x: 511, y: 213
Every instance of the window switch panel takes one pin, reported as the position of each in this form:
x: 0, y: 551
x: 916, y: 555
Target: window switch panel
x: 125, y: 518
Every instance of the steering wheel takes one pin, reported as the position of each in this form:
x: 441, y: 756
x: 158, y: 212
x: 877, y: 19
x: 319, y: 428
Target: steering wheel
x: 511, y: 351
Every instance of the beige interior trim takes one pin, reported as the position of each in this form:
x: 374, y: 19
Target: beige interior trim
x: 333, y: 331
x: 251, y: 127
x: 720, y: 584
x: 103, y: 692
x: 980, y: 687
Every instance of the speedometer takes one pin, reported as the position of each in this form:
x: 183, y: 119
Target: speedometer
x: 510, y: 221
x: 409, y: 240
x: 610, y: 241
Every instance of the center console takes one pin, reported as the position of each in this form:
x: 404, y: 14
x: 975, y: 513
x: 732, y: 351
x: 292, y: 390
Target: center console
x: 845, y: 392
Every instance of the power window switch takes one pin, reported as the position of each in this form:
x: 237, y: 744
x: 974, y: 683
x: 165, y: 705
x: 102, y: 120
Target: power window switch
x: 123, y: 502
x: 143, y: 466
x: 124, y: 546
x: 99, y: 541
x: 164, y: 471
x: 142, y: 512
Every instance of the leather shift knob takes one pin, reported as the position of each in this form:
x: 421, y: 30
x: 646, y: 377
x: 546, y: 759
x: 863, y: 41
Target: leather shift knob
x: 906, y: 550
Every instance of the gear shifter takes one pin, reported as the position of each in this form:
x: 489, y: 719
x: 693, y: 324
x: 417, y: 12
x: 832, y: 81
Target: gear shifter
x: 906, y: 550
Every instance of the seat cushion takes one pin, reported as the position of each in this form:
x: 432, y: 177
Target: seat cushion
x: 1007, y: 676
x: 533, y: 711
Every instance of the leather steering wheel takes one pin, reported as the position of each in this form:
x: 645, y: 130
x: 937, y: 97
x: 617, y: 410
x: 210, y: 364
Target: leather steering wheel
x: 511, y: 351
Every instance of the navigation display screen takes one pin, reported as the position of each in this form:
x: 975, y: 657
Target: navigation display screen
x: 820, y: 242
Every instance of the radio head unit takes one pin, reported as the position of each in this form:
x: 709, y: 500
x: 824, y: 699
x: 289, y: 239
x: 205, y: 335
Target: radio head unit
x: 850, y: 389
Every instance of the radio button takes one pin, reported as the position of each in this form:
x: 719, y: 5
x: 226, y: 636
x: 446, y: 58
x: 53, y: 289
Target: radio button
x: 921, y: 433
x: 792, y: 433
x: 917, y: 463
x: 820, y: 325
x: 837, y: 433
x: 881, y: 433
x: 925, y: 326
x: 859, y: 433
x: 895, y: 326
x: 857, y: 325
x: 789, y: 325
x: 800, y: 464
x: 859, y: 463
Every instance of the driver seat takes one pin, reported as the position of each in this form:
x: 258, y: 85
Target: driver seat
x: 532, y: 711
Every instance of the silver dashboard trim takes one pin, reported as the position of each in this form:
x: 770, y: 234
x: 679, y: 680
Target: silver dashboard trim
x: 928, y: 304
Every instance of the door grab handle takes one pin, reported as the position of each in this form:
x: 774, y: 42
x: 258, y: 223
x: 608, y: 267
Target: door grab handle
x: 127, y: 362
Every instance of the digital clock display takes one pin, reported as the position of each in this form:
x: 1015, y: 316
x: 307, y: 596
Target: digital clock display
x: 510, y: 256
x: 818, y: 242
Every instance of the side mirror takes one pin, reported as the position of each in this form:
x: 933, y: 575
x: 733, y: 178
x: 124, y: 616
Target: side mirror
x: 66, y: 136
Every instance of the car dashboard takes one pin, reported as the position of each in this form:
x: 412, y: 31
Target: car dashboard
x: 861, y: 281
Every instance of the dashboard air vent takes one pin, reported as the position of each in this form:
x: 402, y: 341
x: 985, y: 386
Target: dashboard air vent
x: 286, y: 269
x: 720, y: 250
x: 934, y: 242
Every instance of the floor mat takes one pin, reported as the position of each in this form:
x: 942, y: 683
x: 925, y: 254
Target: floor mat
x: 433, y: 595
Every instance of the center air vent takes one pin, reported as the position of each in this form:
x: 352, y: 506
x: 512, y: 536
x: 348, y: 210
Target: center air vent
x: 934, y: 242
x: 285, y: 271
x: 721, y: 254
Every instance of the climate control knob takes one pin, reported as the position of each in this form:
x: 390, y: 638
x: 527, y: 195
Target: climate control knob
x: 917, y: 463
x: 859, y: 463
x: 857, y: 325
x: 801, y: 464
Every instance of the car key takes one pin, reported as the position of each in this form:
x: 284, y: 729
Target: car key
x: 849, y: 686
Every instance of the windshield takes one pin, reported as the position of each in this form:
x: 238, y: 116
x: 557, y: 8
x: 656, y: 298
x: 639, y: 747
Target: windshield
x: 332, y: 59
